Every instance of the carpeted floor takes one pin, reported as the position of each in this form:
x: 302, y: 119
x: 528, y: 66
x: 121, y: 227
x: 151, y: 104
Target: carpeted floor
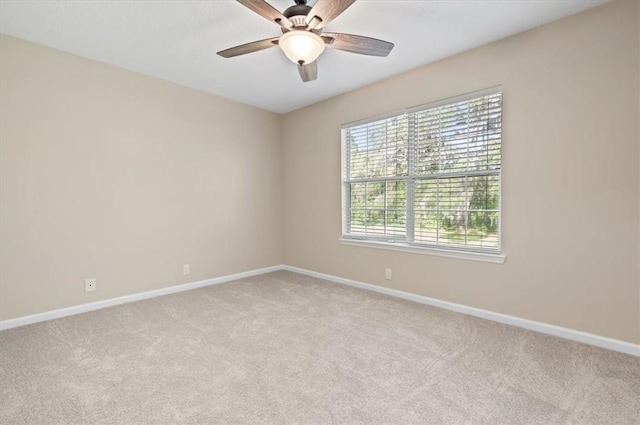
x: 284, y: 348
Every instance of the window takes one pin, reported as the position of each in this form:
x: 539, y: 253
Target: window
x: 428, y: 177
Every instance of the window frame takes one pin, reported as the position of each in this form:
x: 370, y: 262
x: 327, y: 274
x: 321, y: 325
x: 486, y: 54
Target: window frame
x: 406, y: 242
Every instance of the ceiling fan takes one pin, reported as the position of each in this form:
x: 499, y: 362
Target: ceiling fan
x: 302, y: 39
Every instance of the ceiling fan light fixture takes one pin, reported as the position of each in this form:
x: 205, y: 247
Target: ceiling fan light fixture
x: 301, y: 47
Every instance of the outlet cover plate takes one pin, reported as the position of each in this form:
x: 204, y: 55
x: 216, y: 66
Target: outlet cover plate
x: 90, y: 284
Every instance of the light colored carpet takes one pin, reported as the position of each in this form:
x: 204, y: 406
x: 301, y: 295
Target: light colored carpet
x: 284, y: 348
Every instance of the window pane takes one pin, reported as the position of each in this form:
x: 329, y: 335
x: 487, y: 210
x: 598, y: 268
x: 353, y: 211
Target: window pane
x: 374, y: 222
x: 378, y: 149
x: 452, y: 194
x: 375, y: 195
x: 396, y: 219
x: 397, y: 195
x: 396, y: 222
x: 458, y: 211
x: 426, y: 226
x: 483, y: 229
x: 484, y: 192
x: 426, y: 195
x: 357, y: 192
x: 464, y: 136
x: 357, y: 220
x: 378, y: 208
x: 453, y: 227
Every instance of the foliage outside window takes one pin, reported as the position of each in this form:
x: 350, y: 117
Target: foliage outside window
x: 429, y: 177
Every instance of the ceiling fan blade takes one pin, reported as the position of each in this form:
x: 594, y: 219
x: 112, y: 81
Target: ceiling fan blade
x: 325, y: 11
x: 357, y: 44
x: 308, y: 72
x: 254, y: 46
x: 264, y: 9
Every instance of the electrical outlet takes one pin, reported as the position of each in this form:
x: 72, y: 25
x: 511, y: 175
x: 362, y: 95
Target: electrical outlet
x: 90, y: 284
x: 387, y: 274
x: 186, y: 269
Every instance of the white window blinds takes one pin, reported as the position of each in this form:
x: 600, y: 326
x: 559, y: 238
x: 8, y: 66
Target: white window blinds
x: 429, y: 176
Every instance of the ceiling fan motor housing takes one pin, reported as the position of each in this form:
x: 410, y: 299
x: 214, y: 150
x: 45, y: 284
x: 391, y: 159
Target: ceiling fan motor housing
x: 297, y: 14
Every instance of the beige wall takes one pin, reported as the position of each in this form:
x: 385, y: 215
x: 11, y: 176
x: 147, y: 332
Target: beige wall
x: 110, y: 174
x: 570, y: 177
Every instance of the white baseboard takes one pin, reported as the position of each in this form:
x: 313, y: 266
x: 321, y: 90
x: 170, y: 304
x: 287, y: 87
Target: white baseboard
x: 570, y: 334
x: 83, y: 308
x: 573, y: 335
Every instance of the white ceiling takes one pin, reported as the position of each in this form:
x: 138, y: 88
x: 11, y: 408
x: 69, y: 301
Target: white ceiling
x: 177, y: 40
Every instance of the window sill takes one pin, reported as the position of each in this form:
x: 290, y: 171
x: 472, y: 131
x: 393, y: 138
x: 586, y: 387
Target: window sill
x: 463, y: 255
